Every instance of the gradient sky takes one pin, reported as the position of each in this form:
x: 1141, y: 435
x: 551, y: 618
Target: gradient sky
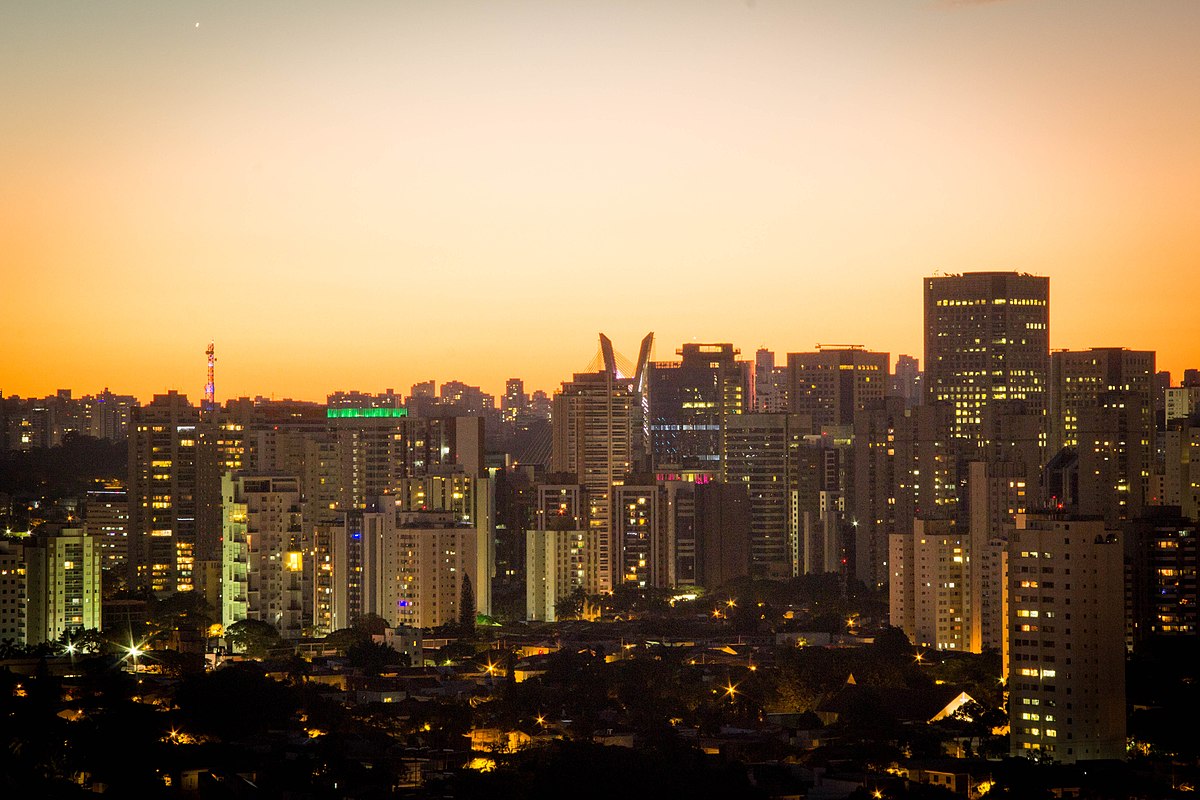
x: 369, y: 194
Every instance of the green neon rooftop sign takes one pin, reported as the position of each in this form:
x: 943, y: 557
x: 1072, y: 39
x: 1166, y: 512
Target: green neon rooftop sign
x: 354, y: 413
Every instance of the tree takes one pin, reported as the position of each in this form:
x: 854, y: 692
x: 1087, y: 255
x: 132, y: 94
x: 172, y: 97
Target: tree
x: 466, y: 604
x: 373, y: 658
x: 344, y: 638
x: 253, y: 637
x: 371, y: 624
x: 571, y: 606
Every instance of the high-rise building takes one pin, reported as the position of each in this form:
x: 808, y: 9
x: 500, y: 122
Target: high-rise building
x: 690, y: 401
x: 833, y: 383
x: 13, y: 591
x: 819, y: 503
x: 62, y: 583
x: 987, y: 337
x: 907, y: 380
x: 600, y: 436
x: 1079, y: 378
x: 354, y: 563
x: 1161, y: 561
x: 1181, y: 478
x: 906, y: 465
x: 1180, y: 402
x: 724, y: 533
x: 470, y: 501
x: 1066, y: 673
x: 757, y: 455
x: 107, y: 515
x: 165, y: 494
x: 266, y: 567
x: 770, y: 384
x: 928, y: 593
x: 1115, y: 457
x: 427, y: 559
x: 515, y: 402
x: 644, y: 530
x: 557, y: 550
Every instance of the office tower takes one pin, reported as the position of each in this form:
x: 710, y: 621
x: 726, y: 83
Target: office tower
x: 756, y: 456
x: 426, y: 559
x: 460, y: 398
x: 987, y: 337
x: 770, y: 384
x: 1067, y: 639
x: 600, y: 436
x: 724, y: 533
x: 1079, y: 379
x: 471, y: 501
x: 907, y: 380
x: 1191, y: 377
x: 690, y: 400
x: 557, y: 550
x: 266, y: 569
x: 1161, y: 560
x: 515, y: 402
x: 63, y: 584
x: 107, y: 515
x: 927, y: 592
x: 906, y: 465
x: 165, y: 494
x: 833, y: 383
x: 13, y: 591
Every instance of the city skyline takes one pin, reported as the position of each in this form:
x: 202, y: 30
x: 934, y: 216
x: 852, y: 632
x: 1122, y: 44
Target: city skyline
x: 397, y: 193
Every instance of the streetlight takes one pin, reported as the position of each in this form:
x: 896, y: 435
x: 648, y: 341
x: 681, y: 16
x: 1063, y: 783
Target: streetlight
x: 134, y: 652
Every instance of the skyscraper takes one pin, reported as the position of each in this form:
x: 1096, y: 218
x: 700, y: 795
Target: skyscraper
x: 987, y: 337
x: 690, y: 401
x: 1079, y: 378
x: 599, y: 438
x: 834, y: 382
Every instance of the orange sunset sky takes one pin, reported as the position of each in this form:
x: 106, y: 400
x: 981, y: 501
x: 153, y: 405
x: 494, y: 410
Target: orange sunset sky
x: 368, y: 194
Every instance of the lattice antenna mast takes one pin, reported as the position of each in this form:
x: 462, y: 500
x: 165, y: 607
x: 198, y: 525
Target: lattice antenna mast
x: 210, y: 388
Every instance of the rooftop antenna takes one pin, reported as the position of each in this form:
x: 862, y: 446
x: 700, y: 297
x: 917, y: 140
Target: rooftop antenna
x: 210, y: 388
